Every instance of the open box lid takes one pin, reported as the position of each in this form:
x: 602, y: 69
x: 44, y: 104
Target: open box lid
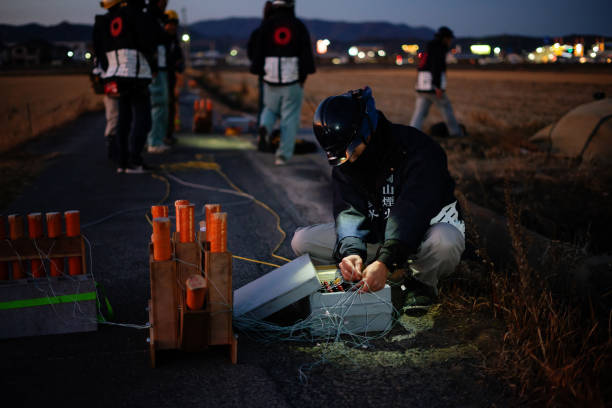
x: 277, y: 289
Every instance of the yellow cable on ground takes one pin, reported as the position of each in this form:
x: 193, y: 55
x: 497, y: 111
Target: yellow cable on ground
x: 264, y: 206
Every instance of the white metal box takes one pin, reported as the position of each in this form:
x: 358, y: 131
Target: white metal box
x: 277, y: 289
x: 335, y: 313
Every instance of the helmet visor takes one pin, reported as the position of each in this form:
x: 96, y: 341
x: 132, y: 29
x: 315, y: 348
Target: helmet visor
x: 338, y: 155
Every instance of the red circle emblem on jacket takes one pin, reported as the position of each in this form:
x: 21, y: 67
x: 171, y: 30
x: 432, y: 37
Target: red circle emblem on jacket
x: 116, y: 26
x: 282, y: 36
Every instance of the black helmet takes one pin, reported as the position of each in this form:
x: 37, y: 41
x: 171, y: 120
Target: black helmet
x: 339, y: 121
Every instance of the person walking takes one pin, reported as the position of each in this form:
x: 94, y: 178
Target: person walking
x: 393, y: 200
x: 431, y: 83
x: 159, y: 85
x: 129, y: 62
x: 282, y: 56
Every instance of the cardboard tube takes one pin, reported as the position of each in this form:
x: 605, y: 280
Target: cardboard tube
x: 186, y: 216
x: 4, y: 270
x: 73, y: 229
x: 209, y: 210
x: 16, y: 232
x: 162, y: 248
x: 196, y: 288
x: 54, y: 230
x: 176, y: 213
x: 219, y: 241
x: 35, y: 230
x: 209, y: 105
x: 159, y: 211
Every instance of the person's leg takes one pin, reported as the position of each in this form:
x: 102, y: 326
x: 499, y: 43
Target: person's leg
x: 159, y: 110
x: 319, y: 241
x: 438, y: 255
x: 291, y: 108
x: 171, y: 107
x: 124, y: 125
x: 449, y: 117
x: 111, y: 107
x: 141, y: 109
x: 271, y: 110
x: 421, y: 109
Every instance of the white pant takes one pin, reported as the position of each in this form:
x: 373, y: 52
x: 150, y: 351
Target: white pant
x: 437, y: 256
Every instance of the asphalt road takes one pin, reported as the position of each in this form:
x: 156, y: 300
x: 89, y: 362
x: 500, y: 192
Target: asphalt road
x: 422, y: 362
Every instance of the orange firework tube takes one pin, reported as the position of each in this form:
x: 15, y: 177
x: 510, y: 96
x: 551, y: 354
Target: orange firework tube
x: 209, y: 210
x: 219, y: 242
x: 16, y: 232
x: 54, y: 230
x: 159, y: 211
x: 73, y: 229
x: 162, y: 249
x: 177, y: 203
x: 186, y: 218
x: 35, y: 230
x: 202, y: 105
x: 4, y: 271
x: 196, y: 288
x: 209, y: 105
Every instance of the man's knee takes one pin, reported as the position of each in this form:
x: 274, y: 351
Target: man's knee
x: 447, y: 243
x: 298, y: 243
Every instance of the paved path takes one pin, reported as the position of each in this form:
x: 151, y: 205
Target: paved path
x: 420, y: 363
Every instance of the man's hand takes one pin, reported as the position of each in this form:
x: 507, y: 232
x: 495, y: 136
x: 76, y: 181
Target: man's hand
x: 374, y: 277
x: 439, y: 93
x: 351, y: 267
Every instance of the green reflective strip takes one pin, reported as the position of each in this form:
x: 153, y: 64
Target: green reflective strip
x: 52, y: 300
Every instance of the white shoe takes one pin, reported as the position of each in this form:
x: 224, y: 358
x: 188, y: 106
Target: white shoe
x: 280, y: 161
x: 135, y: 170
x: 158, y: 149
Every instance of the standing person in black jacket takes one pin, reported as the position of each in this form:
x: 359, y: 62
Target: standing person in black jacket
x: 431, y: 83
x: 282, y: 55
x: 393, y: 201
x: 127, y: 57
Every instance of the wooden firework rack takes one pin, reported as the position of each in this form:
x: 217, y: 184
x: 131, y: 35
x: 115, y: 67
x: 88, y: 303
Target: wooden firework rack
x: 172, y: 324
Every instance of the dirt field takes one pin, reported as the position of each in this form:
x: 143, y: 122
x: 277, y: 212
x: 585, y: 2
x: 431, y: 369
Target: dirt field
x: 31, y: 105
x: 500, y: 110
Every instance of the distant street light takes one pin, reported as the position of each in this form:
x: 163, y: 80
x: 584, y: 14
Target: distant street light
x: 88, y: 55
x: 186, y: 37
x: 70, y: 54
x: 353, y: 51
x: 497, y: 50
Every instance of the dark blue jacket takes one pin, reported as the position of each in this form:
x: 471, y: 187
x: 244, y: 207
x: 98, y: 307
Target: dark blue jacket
x: 390, y: 194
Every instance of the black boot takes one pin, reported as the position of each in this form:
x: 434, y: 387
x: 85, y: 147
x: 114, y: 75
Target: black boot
x: 262, y: 141
x: 418, y: 294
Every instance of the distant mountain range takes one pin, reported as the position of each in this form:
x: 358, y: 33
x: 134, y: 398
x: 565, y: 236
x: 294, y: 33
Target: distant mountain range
x: 228, y: 32
x: 236, y: 28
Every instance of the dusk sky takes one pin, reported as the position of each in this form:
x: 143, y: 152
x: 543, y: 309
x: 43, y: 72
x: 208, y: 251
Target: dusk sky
x: 465, y: 17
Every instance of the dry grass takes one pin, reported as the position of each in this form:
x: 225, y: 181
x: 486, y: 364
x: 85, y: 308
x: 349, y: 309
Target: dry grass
x: 511, y: 104
x: 555, y: 351
x: 32, y: 105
